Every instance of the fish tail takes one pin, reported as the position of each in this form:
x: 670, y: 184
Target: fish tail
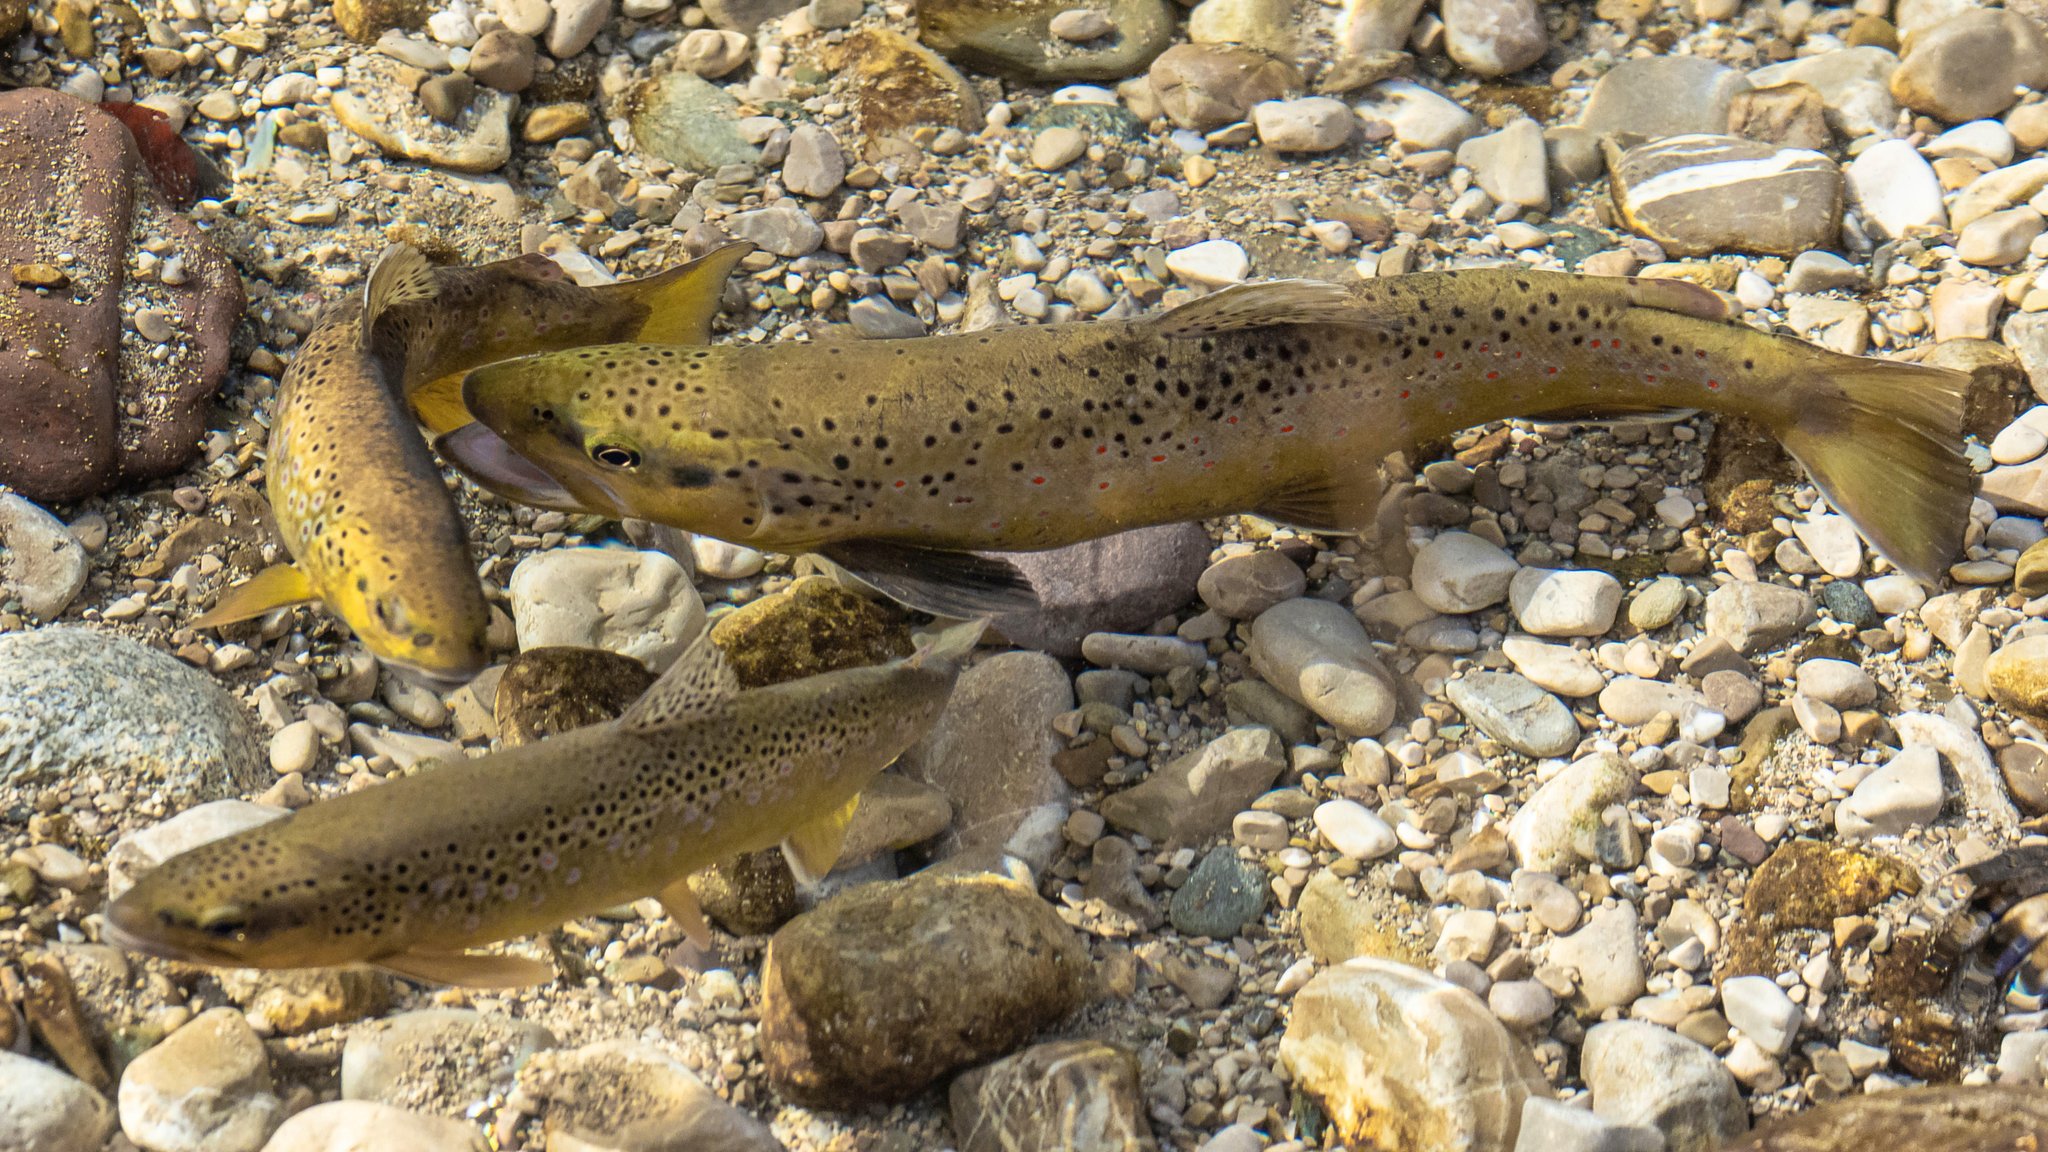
x: 682, y: 301
x: 1883, y: 442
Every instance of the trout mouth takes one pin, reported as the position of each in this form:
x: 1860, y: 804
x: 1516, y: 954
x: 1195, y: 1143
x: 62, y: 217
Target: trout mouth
x: 491, y: 461
x: 129, y: 926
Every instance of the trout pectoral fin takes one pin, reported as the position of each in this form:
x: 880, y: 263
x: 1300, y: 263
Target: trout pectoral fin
x: 278, y: 586
x: 698, y: 686
x: 438, y: 406
x: 1348, y: 506
x: 401, y: 275
x: 1269, y: 302
x: 813, y: 848
x: 1681, y: 296
x: 681, y: 905
x: 960, y: 585
x: 682, y: 301
x: 469, y: 969
x: 1599, y: 415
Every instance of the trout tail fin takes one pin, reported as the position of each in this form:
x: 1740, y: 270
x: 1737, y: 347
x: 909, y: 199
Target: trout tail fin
x: 682, y: 301
x: 1883, y: 442
x: 400, y: 276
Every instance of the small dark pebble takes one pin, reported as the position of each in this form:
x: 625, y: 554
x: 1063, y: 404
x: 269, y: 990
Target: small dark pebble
x: 1182, y: 1039
x: 1741, y: 842
x: 1846, y: 601
x: 1221, y: 896
x: 446, y: 97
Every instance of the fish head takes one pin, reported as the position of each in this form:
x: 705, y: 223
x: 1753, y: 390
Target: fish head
x: 435, y: 629
x: 249, y: 900
x: 558, y: 428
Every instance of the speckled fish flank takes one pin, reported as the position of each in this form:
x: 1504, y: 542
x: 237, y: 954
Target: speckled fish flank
x: 410, y: 874
x: 1276, y: 398
x: 357, y: 496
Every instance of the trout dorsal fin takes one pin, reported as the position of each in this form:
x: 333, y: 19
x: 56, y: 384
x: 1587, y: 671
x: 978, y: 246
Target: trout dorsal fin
x: 1267, y: 302
x: 682, y: 302
x: 700, y: 686
x: 401, y: 275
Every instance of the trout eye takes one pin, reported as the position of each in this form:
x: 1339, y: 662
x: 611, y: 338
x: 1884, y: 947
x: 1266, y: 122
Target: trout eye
x: 615, y: 456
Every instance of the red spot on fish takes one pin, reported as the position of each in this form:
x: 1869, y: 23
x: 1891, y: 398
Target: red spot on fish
x: 1162, y: 459
x: 1208, y: 463
x: 963, y: 499
x: 1104, y: 485
x: 903, y: 483
x: 1232, y: 420
x: 1404, y: 393
x: 1714, y: 385
x: 1287, y: 427
x: 1194, y: 439
x: 1700, y: 354
x: 1440, y: 354
x: 1493, y: 375
x: 1594, y: 343
x: 1486, y: 347
x: 995, y: 524
x: 1551, y: 371
x: 1038, y: 479
x: 1649, y: 379
x: 1102, y: 449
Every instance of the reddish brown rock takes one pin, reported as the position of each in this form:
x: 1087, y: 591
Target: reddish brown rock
x: 1981, y: 1118
x: 84, y: 406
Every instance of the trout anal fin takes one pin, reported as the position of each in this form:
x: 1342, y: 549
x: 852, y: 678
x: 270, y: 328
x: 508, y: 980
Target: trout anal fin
x: 468, y: 969
x: 812, y: 848
x: 959, y: 585
x: 681, y: 905
x: 278, y: 586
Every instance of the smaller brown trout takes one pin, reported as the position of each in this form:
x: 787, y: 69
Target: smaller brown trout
x: 411, y: 874
x: 371, y: 529
x: 901, y: 458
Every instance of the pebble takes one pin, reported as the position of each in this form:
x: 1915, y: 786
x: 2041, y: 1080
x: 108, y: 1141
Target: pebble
x: 1658, y: 96
x: 1836, y: 682
x: 1354, y: 830
x: 1553, y: 1126
x: 1148, y: 655
x: 1393, y: 1053
x: 1895, y: 593
x: 1757, y: 1006
x: 503, y: 59
x: 1080, y: 25
x: 1222, y: 894
x: 1633, y: 700
x: 1423, y: 119
x: 1559, y: 827
x: 1643, y: 1074
x: 206, y: 1088
x: 1197, y: 795
x: 1733, y: 194
x: 1308, y: 124
x: 1896, y: 189
x: 875, y: 318
x: 1511, y: 165
x: 1081, y: 1094
x: 1244, y: 585
x: 1206, y: 86
x: 575, y: 25
x: 1970, y: 64
x: 352, y: 1125
x: 2017, y: 675
x: 1753, y: 616
x: 2000, y: 238
x: 1513, y: 710
x: 992, y: 751
x: 41, y: 563
x: 1903, y: 795
x: 713, y: 52
x: 1657, y: 605
x: 830, y: 1034
x: 1494, y: 37
x: 637, y: 604
x: 1833, y: 543
x: 45, y: 1110
x: 1551, y: 602
x: 1210, y: 264
x: 1317, y: 654
x: 1555, y: 668
x: 815, y: 166
x: 783, y: 229
x: 1606, y: 955
x: 1056, y: 147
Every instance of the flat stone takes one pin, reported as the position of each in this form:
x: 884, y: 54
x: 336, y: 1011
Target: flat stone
x: 1754, y: 616
x: 1550, y: 602
x: 1354, y: 830
x: 637, y: 604
x: 1015, y: 39
x: 206, y: 1088
x: 689, y: 122
x: 1307, y: 124
x: 349, y: 1125
x: 42, y: 564
x: 1197, y: 795
x: 1120, y: 583
x: 1553, y: 1126
x: 2000, y: 238
x: 1222, y: 894
x: 1079, y: 1094
x: 1854, y: 83
x: 44, y: 1110
x: 1245, y: 585
x: 991, y: 751
x: 1557, y: 668
x: 1494, y: 37
x: 1896, y: 190
x: 1559, y: 827
x: 1205, y: 86
x: 1701, y: 194
x: 1969, y: 65
x: 1514, y: 711
x: 1606, y: 955
x: 1210, y: 264
x: 1423, y: 119
x: 1837, y: 682
x: 1658, y: 96
x: 1511, y: 165
x: 378, y: 106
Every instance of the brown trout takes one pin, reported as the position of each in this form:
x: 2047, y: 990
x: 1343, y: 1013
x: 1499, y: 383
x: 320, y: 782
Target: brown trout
x: 359, y: 500
x: 411, y: 874
x: 897, y: 457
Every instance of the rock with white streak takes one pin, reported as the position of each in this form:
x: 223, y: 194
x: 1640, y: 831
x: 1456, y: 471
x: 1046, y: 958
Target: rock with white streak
x: 1896, y: 189
x: 638, y: 604
x: 1402, y: 1059
x: 1701, y: 194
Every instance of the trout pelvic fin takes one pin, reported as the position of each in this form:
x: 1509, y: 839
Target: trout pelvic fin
x: 1347, y: 505
x: 468, y: 969
x: 699, y: 686
x: 959, y: 585
x: 278, y: 586
x: 437, y: 405
x: 813, y: 847
x: 401, y: 275
x: 1883, y: 442
x: 1268, y: 302
x: 681, y: 905
x: 682, y: 301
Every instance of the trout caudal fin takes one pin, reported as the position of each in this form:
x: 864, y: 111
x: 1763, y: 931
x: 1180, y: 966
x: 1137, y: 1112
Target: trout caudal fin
x: 1883, y: 442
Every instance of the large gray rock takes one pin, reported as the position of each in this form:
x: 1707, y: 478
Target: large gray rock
x: 1514, y: 711
x: 403, y: 1059
x: 1078, y: 1095
x: 634, y: 1097
x: 992, y: 750
x: 1403, y: 1059
x: 356, y: 1125
x: 76, y: 704
x: 1197, y: 795
x: 1120, y: 583
x: 1700, y: 194
x: 1318, y: 654
x: 1658, y: 96
x: 43, y: 1109
x: 204, y: 1089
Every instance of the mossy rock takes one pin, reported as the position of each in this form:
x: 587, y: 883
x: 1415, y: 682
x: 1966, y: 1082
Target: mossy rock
x: 815, y: 626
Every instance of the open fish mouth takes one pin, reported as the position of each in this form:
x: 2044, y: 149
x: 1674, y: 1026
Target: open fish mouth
x: 491, y: 461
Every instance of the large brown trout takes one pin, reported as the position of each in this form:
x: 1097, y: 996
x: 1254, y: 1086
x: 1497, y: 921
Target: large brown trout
x: 897, y: 457
x: 359, y: 500
x: 411, y: 874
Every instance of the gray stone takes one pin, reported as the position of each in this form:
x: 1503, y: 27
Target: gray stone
x: 1658, y: 96
x: 1968, y: 66
x: 1247, y: 584
x: 1494, y: 37
x: 1642, y: 1074
x: 1701, y: 194
x: 1511, y: 165
x: 1903, y: 795
x: 41, y: 563
x: 690, y: 122
x: 1204, y: 86
x: 1069, y: 1094
x: 1515, y: 712
x: 1119, y: 583
x: 1607, y: 955
x: 637, y: 604
x: 45, y: 1110
x: 354, y: 1125
x: 1459, y: 572
x: 404, y: 1059
x: 1854, y: 84
x: 630, y: 1095
x: 157, y: 732
x: 992, y: 750
x: 1552, y: 1126
x: 1559, y: 827
x: 1550, y: 602
x: 875, y: 318
x: 1423, y: 119
x: 1222, y: 895
x: 1307, y: 124
x: 783, y: 229
x: 1753, y: 616
x: 1763, y: 1012
x: 814, y: 165
x: 206, y: 1088
x: 1318, y: 654
x: 1195, y: 796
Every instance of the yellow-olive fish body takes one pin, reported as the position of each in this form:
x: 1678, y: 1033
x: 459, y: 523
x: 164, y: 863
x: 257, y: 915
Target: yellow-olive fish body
x: 896, y: 457
x: 411, y: 874
x: 360, y: 503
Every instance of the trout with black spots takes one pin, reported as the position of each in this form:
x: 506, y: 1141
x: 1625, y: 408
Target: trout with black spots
x: 410, y: 875
x: 371, y: 528
x: 899, y: 458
